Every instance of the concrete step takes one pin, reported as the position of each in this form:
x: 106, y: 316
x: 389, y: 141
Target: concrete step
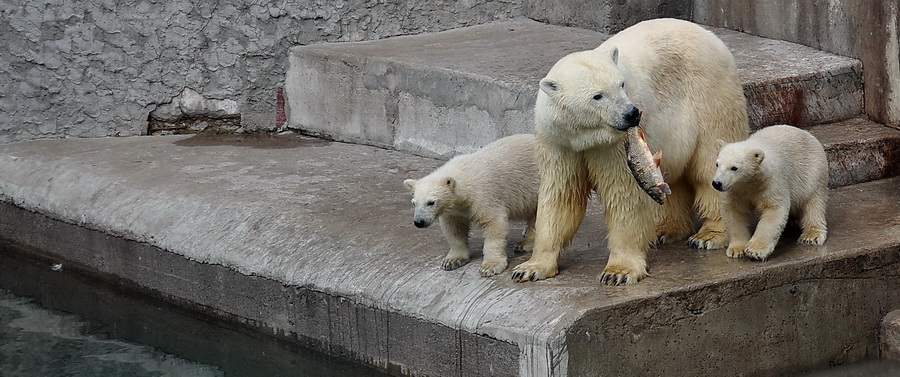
x: 859, y: 150
x: 441, y: 94
x: 312, y: 241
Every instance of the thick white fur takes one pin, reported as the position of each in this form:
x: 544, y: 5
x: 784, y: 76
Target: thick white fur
x: 777, y: 172
x: 685, y: 81
x: 496, y: 184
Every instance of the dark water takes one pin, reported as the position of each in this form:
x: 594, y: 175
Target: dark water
x: 119, y: 333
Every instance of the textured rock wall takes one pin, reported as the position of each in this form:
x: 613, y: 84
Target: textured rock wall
x: 98, y: 68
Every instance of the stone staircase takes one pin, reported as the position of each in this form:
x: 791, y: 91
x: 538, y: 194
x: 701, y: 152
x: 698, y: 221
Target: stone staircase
x: 447, y: 93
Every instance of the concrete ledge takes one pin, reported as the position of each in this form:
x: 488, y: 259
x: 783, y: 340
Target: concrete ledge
x: 442, y: 94
x: 313, y: 241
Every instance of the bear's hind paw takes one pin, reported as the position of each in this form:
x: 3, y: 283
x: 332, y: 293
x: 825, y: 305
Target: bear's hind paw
x: 812, y: 237
x: 532, y: 271
x: 614, y: 275
x: 708, y: 239
x: 453, y: 263
x: 736, y: 250
x: 758, y: 251
x: 524, y: 246
x: 491, y: 268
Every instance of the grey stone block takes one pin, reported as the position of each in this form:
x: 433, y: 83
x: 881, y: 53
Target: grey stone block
x: 890, y: 336
x: 447, y: 93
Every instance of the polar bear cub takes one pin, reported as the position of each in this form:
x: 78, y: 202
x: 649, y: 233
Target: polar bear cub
x: 777, y: 172
x: 490, y: 187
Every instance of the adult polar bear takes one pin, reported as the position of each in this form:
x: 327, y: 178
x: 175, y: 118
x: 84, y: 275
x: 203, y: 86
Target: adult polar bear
x: 685, y: 81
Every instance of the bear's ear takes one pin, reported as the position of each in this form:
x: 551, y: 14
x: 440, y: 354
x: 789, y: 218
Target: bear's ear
x: 451, y: 183
x: 549, y: 86
x: 721, y: 143
x: 614, y: 55
x: 410, y: 184
x: 758, y: 155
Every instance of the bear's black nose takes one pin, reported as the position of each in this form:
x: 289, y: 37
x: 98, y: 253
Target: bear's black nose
x: 717, y: 185
x: 420, y: 223
x: 633, y: 117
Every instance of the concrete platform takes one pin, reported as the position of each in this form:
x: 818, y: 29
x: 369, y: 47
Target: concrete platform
x: 441, y: 94
x: 313, y: 241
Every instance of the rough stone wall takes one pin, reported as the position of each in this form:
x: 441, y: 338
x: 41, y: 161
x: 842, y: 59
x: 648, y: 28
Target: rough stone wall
x: 96, y: 68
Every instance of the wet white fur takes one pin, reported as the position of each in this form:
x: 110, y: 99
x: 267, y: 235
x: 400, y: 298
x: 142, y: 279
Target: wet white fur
x: 685, y: 81
x: 489, y: 188
x: 779, y: 171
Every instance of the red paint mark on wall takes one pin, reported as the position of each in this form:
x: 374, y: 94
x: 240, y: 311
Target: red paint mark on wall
x: 280, y: 115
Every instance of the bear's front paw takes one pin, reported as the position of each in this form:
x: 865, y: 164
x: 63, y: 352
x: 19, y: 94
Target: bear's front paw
x: 531, y: 271
x: 618, y: 275
x: 492, y: 267
x: 736, y: 250
x: 758, y: 250
x: 813, y: 237
x: 709, y: 239
x: 452, y: 263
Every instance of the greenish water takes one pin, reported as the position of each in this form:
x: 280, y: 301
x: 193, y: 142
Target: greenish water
x: 54, y: 322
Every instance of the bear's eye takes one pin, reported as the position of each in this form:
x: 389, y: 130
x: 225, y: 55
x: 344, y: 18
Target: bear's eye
x: 717, y: 164
x: 734, y: 168
x: 598, y: 97
x: 430, y: 203
x: 623, y: 85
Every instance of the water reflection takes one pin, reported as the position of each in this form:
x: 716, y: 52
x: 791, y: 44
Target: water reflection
x: 39, y: 336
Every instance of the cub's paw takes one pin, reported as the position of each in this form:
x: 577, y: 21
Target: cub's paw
x: 532, y: 271
x: 492, y: 267
x: 813, y: 237
x: 618, y: 275
x: 452, y: 263
x: 709, y: 239
x: 736, y: 250
x: 758, y: 250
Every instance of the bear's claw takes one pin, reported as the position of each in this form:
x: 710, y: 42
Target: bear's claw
x: 615, y: 276
x: 453, y: 263
x: 812, y: 237
x: 491, y: 268
x: 709, y: 239
x: 530, y: 271
x: 758, y: 251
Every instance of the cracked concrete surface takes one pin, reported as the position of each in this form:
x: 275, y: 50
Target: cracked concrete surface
x: 98, y: 68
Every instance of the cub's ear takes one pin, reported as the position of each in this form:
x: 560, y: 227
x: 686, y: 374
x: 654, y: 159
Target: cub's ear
x: 758, y: 155
x: 614, y: 55
x: 721, y: 143
x: 451, y: 183
x: 549, y: 86
x: 410, y: 184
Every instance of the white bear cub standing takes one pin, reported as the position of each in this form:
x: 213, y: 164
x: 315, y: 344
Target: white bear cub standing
x: 491, y: 187
x: 777, y: 172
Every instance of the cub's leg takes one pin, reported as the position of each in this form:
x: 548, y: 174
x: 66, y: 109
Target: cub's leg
x: 496, y: 231
x: 771, y: 223
x: 812, y: 221
x: 456, y: 231
x: 736, y: 214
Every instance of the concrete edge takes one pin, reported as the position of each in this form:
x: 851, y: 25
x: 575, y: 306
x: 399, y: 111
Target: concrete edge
x: 397, y: 343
